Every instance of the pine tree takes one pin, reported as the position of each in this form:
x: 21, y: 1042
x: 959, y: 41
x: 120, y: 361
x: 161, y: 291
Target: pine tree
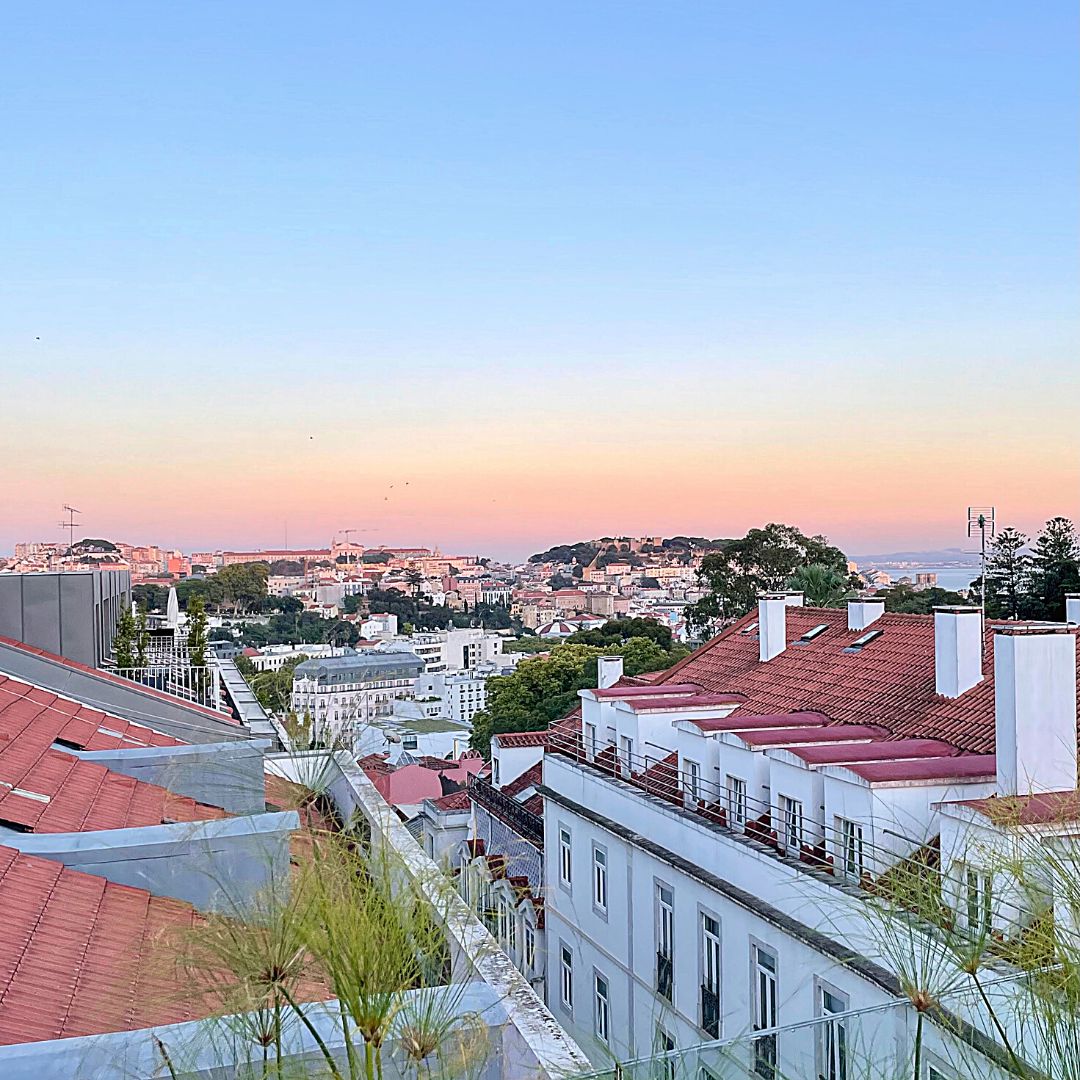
x: 197, y: 631
x: 1008, y: 572
x: 1055, y: 568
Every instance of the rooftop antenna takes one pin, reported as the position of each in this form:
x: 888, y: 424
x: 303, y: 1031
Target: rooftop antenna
x: 981, y: 521
x: 70, y: 525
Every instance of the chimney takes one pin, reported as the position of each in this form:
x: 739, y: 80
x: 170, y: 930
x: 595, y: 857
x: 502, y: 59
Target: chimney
x: 1072, y: 608
x: 1035, y: 708
x: 772, y: 625
x: 958, y: 649
x: 608, y: 671
x: 793, y: 599
x: 861, y: 613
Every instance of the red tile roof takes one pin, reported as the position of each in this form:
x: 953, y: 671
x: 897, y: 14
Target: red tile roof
x: 138, y: 688
x: 784, y: 737
x: 889, y: 682
x: 509, y: 739
x: 738, y: 722
x: 45, y: 790
x: 964, y: 767
x: 1045, y: 808
x: 621, y: 691
x: 76, y: 953
x: 668, y: 703
x: 884, y: 750
x: 529, y: 778
x: 456, y: 800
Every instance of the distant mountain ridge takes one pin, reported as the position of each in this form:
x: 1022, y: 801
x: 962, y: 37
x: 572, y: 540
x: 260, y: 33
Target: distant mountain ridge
x: 925, y: 558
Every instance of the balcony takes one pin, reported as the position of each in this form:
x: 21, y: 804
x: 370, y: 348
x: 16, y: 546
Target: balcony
x: 527, y: 825
x: 199, y: 685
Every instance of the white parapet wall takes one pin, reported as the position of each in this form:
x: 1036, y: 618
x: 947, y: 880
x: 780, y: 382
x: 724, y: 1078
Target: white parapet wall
x: 533, y: 1044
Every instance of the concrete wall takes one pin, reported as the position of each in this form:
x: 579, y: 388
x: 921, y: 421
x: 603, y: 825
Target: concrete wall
x: 214, y: 865
x: 72, y: 614
x: 229, y: 775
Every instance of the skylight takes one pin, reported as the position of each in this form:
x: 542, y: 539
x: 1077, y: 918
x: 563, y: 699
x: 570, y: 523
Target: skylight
x: 749, y: 628
x: 812, y: 633
x: 861, y: 642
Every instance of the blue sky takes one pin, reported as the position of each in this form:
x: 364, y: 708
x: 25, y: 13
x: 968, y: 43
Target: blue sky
x: 496, y: 241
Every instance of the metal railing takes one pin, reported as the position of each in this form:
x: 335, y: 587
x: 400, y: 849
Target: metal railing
x: 524, y: 822
x: 908, y: 873
x: 199, y: 685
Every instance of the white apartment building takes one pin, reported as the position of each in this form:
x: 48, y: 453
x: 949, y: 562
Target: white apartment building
x: 274, y: 657
x: 457, y: 695
x: 714, y: 840
x: 342, y: 694
x: 450, y: 650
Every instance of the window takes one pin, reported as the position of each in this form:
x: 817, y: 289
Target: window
x: 502, y: 918
x: 665, y: 1044
x: 511, y: 931
x: 409, y: 742
x: 600, y: 879
x: 529, y: 952
x: 861, y: 642
x: 763, y: 1007
x: 693, y: 779
x: 851, y: 849
x: 817, y: 631
x: 832, y: 1036
x: 790, y: 825
x: 565, y: 863
x: 495, y: 771
x: 933, y: 1072
x: 602, y: 1009
x: 590, y: 740
x: 710, y: 975
x: 566, y: 977
x: 979, y: 887
x: 626, y: 754
x: 665, y: 940
x: 736, y: 801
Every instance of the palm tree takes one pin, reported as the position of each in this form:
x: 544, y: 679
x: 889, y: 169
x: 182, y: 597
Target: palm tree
x: 821, y: 585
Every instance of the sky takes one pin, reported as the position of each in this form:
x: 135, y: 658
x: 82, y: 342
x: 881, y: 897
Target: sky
x: 495, y: 276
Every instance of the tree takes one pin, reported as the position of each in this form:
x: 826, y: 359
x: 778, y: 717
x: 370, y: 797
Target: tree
x: 124, y: 640
x: 142, y: 638
x: 196, y: 628
x: 243, y: 585
x: 1055, y: 569
x: 1007, y: 571
x: 341, y: 632
x: 911, y: 601
x: 764, y: 560
x: 150, y: 597
x: 544, y: 689
x: 821, y: 585
x: 414, y: 579
x: 617, y: 632
x: 560, y: 581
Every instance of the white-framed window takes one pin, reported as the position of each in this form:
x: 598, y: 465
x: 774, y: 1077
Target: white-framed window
x: 763, y: 1009
x: 851, y: 848
x: 529, y: 946
x: 693, y: 779
x: 832, y: 1050
x: 979, y: 899
x: 590, y: 740
x: 665, y: 1044
x: 710, y: 974
x: 511, y: 931
x: 602, y: 1008
x: 600, y: 881
x: 626, y: 754
x: 790, y: 826
x: 736, y: 794
x: 495, y: 771
x: 665, y: 940
x: 566, y: 977
x: 565, y: 856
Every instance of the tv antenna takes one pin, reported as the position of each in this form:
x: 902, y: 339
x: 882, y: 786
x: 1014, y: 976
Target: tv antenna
x: 70, y: 525
x: 981, y: 521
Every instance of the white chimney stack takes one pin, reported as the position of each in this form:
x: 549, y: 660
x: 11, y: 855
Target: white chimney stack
x: 794, y: 599
x: 1072, y: 608
x: 772, y: 625
x: 861, y: 613
x: 1035, y: 708
x: 608, y: 671
x: 958, y: 649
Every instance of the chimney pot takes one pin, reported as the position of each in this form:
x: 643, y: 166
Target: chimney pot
x: 793, y: 598
x: 864, y: 611
x: 958, y: 649
x: 609, y: 671
x: 772, y: 625
x: 1035, y: 708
